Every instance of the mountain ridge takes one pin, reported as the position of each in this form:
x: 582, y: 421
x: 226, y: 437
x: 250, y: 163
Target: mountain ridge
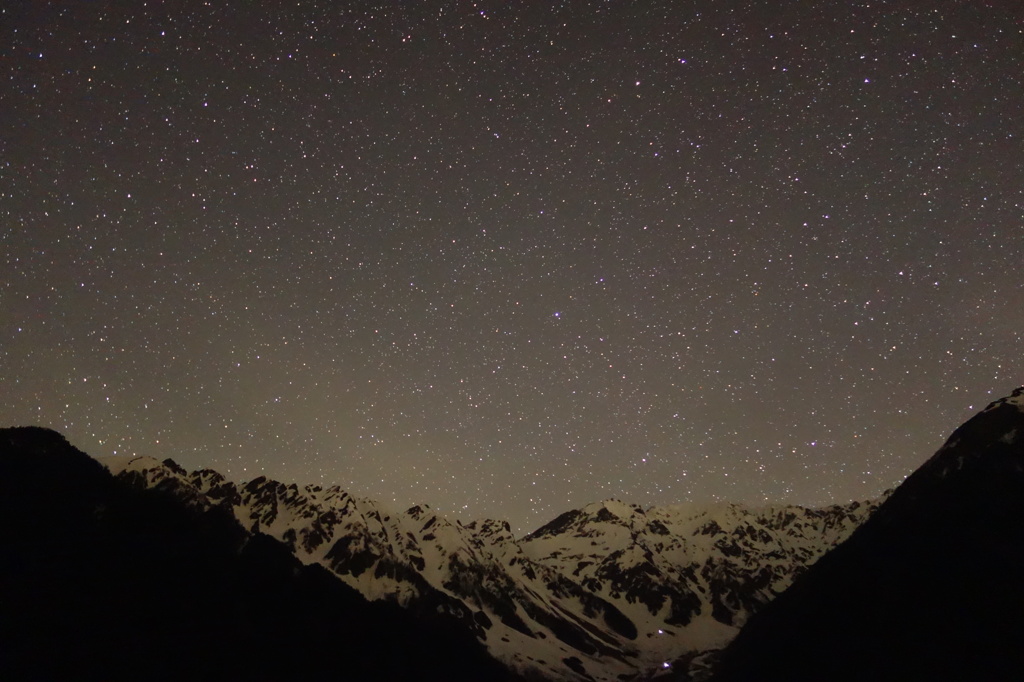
x: 611, y: 591
x: 909, y: 587
x: 104, y: 581
x: 927, y: 588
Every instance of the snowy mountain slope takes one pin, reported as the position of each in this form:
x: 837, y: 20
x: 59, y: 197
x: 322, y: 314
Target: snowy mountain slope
x: 608, y: 592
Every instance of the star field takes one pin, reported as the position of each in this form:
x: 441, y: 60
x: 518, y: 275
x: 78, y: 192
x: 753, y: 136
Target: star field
x: 510, y: 258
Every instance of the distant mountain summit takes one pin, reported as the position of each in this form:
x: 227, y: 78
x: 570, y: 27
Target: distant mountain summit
x: 609, y: 592
x: 929, y: 588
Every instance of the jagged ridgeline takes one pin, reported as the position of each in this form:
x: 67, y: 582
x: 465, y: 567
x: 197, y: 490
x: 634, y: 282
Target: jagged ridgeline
x: 143, y: 570
x: 114, y: 569
x: 608, y: 592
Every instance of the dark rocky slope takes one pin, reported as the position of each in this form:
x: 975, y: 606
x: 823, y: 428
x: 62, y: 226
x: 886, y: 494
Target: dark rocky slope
x: 931, y: 587
x: 101, y: 581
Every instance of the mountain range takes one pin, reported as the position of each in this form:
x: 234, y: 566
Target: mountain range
x: 609, y: 592
x: 139, y: 565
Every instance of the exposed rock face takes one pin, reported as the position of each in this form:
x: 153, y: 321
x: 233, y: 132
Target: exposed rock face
x: 608, y: 592
x: 929, y: 588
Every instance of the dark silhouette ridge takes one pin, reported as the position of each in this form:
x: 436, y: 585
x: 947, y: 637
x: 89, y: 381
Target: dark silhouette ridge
x: 929, y: 588
x: 102, y: 581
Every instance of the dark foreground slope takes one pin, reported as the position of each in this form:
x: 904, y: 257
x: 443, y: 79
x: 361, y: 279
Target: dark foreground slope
x: 100, y: 581
x: 930, y: 588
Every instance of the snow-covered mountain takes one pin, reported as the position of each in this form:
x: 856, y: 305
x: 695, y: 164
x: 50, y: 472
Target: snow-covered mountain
x: 608, y: 592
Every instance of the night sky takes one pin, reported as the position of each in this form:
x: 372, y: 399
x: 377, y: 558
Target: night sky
x: 508, y: 258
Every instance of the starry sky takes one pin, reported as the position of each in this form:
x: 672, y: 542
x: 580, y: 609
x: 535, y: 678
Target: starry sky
x: 508, y: 258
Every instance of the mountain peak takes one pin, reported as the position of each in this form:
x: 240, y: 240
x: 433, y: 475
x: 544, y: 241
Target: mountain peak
x: 1016, y: 398
x: 118, y: 464
x: 612, y: 509
x: 999, y: 425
